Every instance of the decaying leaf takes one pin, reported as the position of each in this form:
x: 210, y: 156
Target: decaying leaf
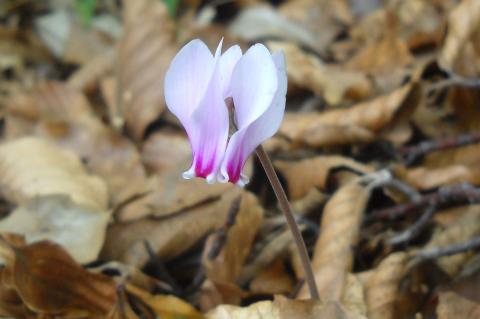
x: 63, y: 115
x: 80, y: 230
x: 228, y: 265
x: 382, y: 287
x: 165, y: 307
x: 464, y: 228
x: 282, y: 308
x: 32, y: 167
x: 371, y: 116
x: 463, y: 26
x: 460, y: 299
x: 334, y: 84
x: 333, y: 258
x: 302, y: 176
x: 169, y: 236
x: 49, y: 282
x: 146, y: 49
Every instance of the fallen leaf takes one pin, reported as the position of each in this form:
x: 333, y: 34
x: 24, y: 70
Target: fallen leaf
x: 165, y: 307
x: 460, y: 298
x: 63, y: 115
x: 463, y: 23
x: 283, y: 308
x: 272, y: 280
x: 240, y: 237
x: 371, y: 116
x: 383, y: 284
x: 31, y: 167
x: 79, y: 230
x: 50, y: 282
x: 334, y: 84
x: 302, y: 176
x: 145, y: 51
x: 341, y: 220
x: 169, y: 236
x: 464, y: 228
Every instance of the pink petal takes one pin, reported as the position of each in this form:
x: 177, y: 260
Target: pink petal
x: 187, y: 79
x: 253, y: 84
x: 249, y: 136
x: 227, y: 62
x: 210, y: 124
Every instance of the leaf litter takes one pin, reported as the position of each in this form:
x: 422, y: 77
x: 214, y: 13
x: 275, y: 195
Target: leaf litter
x: 378, y: 152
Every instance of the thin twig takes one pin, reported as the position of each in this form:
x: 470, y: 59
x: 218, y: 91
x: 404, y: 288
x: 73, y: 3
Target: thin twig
x: 412, y: 153
x: 460, y: 193
x: 437, y: 252
x: 287, y: 210
x: 414, y: 230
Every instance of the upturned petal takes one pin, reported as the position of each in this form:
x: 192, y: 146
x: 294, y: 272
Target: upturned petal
x: 259, y: 86
x: 187, y: 79
x: 197, y: 100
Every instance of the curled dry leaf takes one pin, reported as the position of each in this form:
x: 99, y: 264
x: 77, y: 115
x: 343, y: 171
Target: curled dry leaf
x: 170, y: 236
x: 333, y: 255
x: 283, y: 308
x: 49, y: 282
x: 460, y: 299
x: 462, y: 229
x: 302, y: 176
x: 32, y: 167
x: 272, y: 280
x: 463, y: 26
x: 334, y: 84
x: 382, y: 286
x: 425, y: 178
x: 391, y: 52
x: 62, y: 114
x: 371, y: 116
x: 165, y: 307
x: 229, y: 263
x: 80, y: 230
x: 145, y: 51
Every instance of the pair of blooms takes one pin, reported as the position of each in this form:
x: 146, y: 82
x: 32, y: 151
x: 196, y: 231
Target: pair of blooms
x: 197, y: 85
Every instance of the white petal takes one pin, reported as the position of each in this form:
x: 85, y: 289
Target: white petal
x: 253, y: 84
x: 187, y: 79
x: 227, y: 63
x: 246, y: 139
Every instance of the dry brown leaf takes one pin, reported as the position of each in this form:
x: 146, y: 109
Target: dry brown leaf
x: 334, y: 84
x: 302, y: 176
x: 391, y: 52
x: 79, y: 230
x: 165, y: 307
x: 460, y: 299
x: 330, y: 16
x: 464, y: 228
x: 272, y: 280
x: 424, y: 178
x: 333, y: 256
x: 63, y: 115
x: 382, y: 286
x: 50, y: 282
x: 227, y: 266
x: 372, y: 116
x: 463, y: 26
x: 88, y: 76
x: 145, y: 51
x: 32, y: 167
x: 170, y: 236
x: 353, y: 297
x: 283, y: 308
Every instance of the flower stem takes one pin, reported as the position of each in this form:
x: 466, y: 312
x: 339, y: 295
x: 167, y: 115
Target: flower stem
x: 288, y: 211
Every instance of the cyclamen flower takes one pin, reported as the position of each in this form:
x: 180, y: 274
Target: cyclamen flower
x: 197, y: 84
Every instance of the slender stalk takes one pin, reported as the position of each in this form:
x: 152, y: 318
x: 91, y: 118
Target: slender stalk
x: 288, y: 211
